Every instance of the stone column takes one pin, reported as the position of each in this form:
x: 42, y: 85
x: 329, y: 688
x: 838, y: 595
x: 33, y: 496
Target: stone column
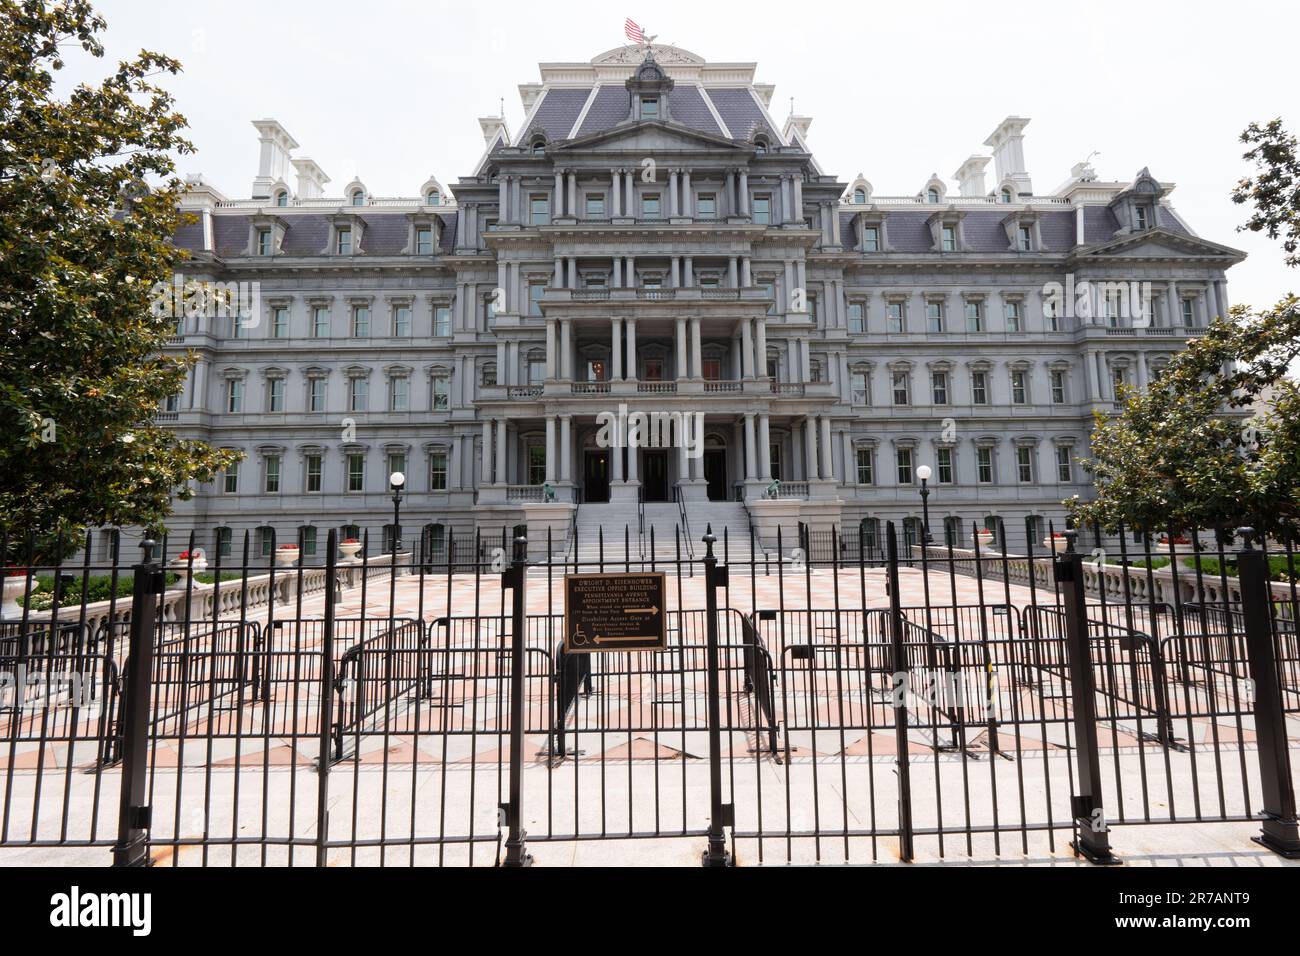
x: 688, y: 201
x: 629, y: 206
x: 751, y: 454
x: 629, y: 273
x: 733, y: 274
x: 672, y: 194
x: 615, y: 194
x: 827, y: 449
x: 697, y: 350
x: 566, y: 448
x: 760, y: 347
x: 688, y: 280
x: 746, y: 275
x: 1175, y: 304
x: 1094, y: 388
x: 488, y: 476
x: 850, y: 465
x: 550, y: 449
x: 764, y: 447
x: 573, y: 272
x: 501, y: 454
x: 566, y: 349
x: 1141, y: 369
x: 682, y: 370
x: 616, y: 349
x: 631, y: 350
x: 551, y: 365
x: 805, y: 359
x: 729, y: 195
x: 617, y: 281
x: 1211, y: 302
x: 557, y: 278
x: 503, y: 200
x: 744, y: 193
x: 559, y: 193
x: 675, y: 279
x: 810, y: 447
x: 631, y: 463
x: 746, y: 350
x: 573, y: 194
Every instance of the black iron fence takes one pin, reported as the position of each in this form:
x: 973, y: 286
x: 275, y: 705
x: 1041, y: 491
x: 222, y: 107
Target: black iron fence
x: 819, y: 698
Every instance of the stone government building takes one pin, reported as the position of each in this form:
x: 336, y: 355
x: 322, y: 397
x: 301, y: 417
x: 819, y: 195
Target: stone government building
x: 652, y: 239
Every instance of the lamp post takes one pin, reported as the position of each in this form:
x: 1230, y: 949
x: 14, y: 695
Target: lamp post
x: 924, y: 474
x: 395, y: 481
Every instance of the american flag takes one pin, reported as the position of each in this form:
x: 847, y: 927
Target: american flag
x: 634, y: 32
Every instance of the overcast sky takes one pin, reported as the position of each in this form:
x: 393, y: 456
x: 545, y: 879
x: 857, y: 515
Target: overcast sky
x: 392, y: 90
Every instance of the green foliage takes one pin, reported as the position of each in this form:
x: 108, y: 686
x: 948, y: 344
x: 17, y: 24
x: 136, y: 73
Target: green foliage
x: 1186, y: 452
x: 100, y: 588
x: 82, y: 241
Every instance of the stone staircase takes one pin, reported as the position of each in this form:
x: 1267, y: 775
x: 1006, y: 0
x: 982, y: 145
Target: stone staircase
x: 608, y: 521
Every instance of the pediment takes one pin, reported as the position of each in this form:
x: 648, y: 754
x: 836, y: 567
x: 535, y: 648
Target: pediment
x: 649, y: 137
x: 1159, y: 244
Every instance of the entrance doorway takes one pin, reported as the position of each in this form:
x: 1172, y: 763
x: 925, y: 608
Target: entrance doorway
x: 654, y: 481
x: 715, y: 473
x: 595, y: 476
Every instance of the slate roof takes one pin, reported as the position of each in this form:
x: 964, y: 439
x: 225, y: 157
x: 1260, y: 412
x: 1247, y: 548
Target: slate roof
x: 686, y: 106
x: 307, y: 235
x: 609, y: 108
x: 738, y: 110
x: 557, y: 112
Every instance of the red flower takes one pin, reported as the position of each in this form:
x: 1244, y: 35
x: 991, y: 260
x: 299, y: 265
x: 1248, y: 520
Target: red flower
x: 287, y: 547
x: 351, y: 541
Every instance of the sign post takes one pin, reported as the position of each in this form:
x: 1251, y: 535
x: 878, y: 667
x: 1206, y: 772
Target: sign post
x: 614, y: 612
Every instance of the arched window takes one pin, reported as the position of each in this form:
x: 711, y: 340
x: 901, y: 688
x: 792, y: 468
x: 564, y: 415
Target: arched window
x: 281, y: 198
x: 358, y: 198
x: 932, y: 195
x: 1006, y: 195
x: 760, y: 145
x: 433, y: 198
x: 859, y: 196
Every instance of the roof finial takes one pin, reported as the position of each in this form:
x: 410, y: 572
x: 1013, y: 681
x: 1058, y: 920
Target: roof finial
x: 501, y: 107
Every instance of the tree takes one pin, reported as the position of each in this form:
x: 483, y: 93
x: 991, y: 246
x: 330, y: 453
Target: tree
x: 1185, y: 453
x: 83, y: 240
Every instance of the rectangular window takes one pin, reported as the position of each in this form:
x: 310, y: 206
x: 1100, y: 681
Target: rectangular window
x: 438, y: 471
x: 1011, y: 311
x: 762, y: 214
x: 934, y: 316
x: 343, y: 241
x: 595, y: 205
x: 424, y: 241
x: 316, y: 394
x: 1058, y: 388
x: 279, y: 322
x: 536, y: 371
x: 358, y: 394
x: 235, y: 395
x: 1064, y: 466
x: 861, y: 393
x: 320, y: 322
x: 225, y: 540
x: 536, y: 464
x: 984, y: 465
x: 1019, y: 388
x: 360, y: 321
x: 974, y: 317
x: 903, y: 460
x: 264, y: 242
x: 650, y: 206
x: 943, y: 461
x: 857, y: 321
x: 774, y: 457
x: 1189, y: 314
x: 650, y: 108
x: 238, y: 329
x: 314, y: 473
x: 769, y: 291
x: 442, y: 320
x: 272, y: 474
x: 894, y: 316
x: 539, y: 209
x: 401, y: 320
x: 308, y: 541
x: 706, y: 206
x: 900, y: 388
x: 230, y: 480
x: 399, y: 388
x: 535, y: 292
x: 441, y: 393
x: 949, y: 239
x: 939, y: 383
x: 1024, y: 239
x: 1051, y: 312
x: 1140, y: 215
x: 356, y: 472
x: 275, y: 395
x: 871, y: 239
x: 712, y: 369
x: 397, y: 462
x: 1024, y: 465
x: 979, y: 388
x: 866, y: 469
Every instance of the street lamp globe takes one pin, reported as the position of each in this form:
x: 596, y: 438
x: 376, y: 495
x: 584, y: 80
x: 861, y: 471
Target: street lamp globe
x: 924, y: 473
x: 396, y: 480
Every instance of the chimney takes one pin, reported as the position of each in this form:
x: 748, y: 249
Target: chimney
x: 970, y: 176
x: 491, y: 125
x: 1008, y: 145
x: 273, y: 158
x: 311, y: 179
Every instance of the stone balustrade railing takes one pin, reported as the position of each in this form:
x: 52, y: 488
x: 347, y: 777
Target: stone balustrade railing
x: 1116, y: 582
x: 255, y: 592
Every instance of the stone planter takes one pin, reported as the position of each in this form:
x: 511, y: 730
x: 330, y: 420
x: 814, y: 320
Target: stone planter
x: 349, y: 550
x: 14, y: 587
x: 286, y: 557
x: 985, y: 540
x: 1054, y: 545
x: 182, y: 570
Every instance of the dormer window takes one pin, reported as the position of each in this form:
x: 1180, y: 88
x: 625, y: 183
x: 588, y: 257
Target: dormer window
x: 1024, y: 239
x: 949, y: 238
x: 343, y: 241
x: 264, y: 242
x: 281, y: 198
x: 932, y: 195
x: 650, y: 107
x: 859, y: 197
x: 760, y: 146
x: 358, y: 198
x: 1006, y: 195
x: 538, y: 145
x: 434, y: 198
x: 1141, y: 217
x: 424, y: 240
x: 871, y: 239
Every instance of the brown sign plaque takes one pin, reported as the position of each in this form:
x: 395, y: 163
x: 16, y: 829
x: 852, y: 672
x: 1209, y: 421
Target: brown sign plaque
x: 614, y: 612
